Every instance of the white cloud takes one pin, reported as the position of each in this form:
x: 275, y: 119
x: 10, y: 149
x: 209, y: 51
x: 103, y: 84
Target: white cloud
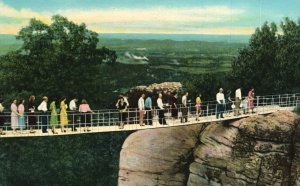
x: 23, y: 15
x: 7, y: 11
x: 136, y: 20
x: 159, y: 14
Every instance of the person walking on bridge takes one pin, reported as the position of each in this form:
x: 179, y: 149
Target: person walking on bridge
x: 251, y: 100
x: 141, y: 105
x: 184, y: 109
x: 148, y: 107
x: 86, y: 115
x: 198, y: 107
x: 73, y: 108
x: 53, y: 118
x: 21, y: 118
x: 228, y: 103
x: 122, y: 106
x: 31, y: 115
x: 174, y: 107
x: 238, y: 100
x: 125, y: 97
x: 245, y: 105
x: 63, y: 114
x: 14, y: 115
x: 44, y: 117
x: 2, y: 117
x: 220, y: 103
x: 161, y: 111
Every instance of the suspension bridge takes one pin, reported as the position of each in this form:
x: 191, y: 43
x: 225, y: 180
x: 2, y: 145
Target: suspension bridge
x: 108, y: 120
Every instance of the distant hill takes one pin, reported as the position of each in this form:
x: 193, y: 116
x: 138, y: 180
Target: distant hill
x: 10, y: 39
x: 8, y: 43
x: 180, y: 37
x: 187, y: 43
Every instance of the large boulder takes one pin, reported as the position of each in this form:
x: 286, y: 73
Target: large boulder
x: 166, y: 88
x: 296, y: 158
x: 158, y: 156
x: 258, y: 150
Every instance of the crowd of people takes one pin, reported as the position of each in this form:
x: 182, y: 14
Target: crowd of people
x: 227, y: 104
x: 145, y: 107
x: 58, y: 115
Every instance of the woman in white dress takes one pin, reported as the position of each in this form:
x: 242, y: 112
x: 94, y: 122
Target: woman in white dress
x: 14, y: 115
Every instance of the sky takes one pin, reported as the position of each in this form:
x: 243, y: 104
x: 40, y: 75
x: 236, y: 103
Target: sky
x: 224, y: 17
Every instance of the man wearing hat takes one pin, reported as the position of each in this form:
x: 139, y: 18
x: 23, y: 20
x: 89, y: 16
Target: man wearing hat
x: 220, y: 102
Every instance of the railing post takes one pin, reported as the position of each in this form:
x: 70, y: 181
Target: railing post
x: 188, y: 111
x: 136, y: 116
x: 296, y: 101
x: 207, y: 108
x: 98, y: 118
x: 279, y: 100
x: 109, y: 117
x: 272, y: 103
x: 103, y: 119
x: 92, y: 117
x: 257, y: 104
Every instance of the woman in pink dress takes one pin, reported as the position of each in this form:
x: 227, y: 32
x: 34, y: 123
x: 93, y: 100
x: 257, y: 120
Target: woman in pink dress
x: 85, y: 113
x: 251, y: 99
x: 14, y: 115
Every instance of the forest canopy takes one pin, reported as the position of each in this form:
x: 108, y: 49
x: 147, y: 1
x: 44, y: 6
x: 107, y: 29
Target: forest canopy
x: 54, y: 60
x: 271, y: 61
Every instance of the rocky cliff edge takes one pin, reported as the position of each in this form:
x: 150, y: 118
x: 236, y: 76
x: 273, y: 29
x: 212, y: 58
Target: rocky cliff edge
x: 258, y: 150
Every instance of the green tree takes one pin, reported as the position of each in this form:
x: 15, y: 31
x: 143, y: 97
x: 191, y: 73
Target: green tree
x: 288, y: 55
x: 57, y: 59
x: 255, y: 64
x: 271, y: 61
x: 207, y: 85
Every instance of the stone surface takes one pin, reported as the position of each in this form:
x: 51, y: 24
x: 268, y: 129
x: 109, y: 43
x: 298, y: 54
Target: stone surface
x: 258, y: 150
x: 158, y: 156
x: 296, y: 159
x: 253, y: 151
x: 166, y: 88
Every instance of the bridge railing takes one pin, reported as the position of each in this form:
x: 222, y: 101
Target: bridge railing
x: 101, y: 120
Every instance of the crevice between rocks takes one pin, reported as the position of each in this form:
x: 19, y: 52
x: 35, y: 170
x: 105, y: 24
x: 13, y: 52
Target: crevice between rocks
x: 190, y: 158
x: 259, y: 171
x: 291, y: 180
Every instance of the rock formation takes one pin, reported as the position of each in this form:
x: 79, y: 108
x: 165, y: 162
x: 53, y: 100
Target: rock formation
x: 166, y: 88
x: 158, y: 157
x: 163, y: 87
x: 258, y: 150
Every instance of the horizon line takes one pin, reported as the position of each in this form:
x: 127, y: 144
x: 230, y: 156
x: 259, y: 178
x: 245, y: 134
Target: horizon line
x: 221, y: 34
